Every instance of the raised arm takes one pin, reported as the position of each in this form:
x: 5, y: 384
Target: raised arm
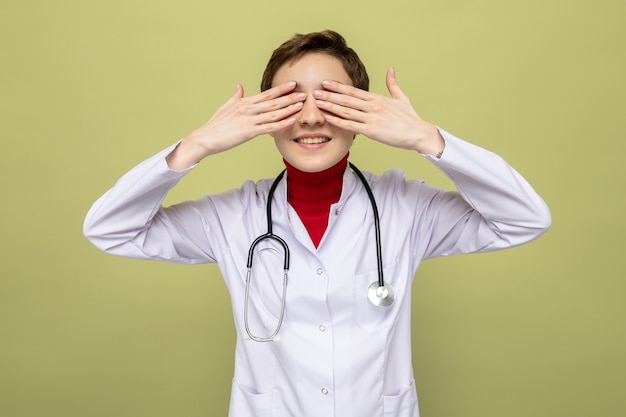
x: 237, y: 121
x: 128, y: 220
x: 389, y: 120
x: 494, y: 207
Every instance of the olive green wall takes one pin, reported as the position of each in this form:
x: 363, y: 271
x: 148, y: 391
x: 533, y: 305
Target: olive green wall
x: 88, y: 89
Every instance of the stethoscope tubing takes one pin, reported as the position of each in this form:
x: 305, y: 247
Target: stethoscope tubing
x: 379, y: 293
x: 270, y: 234
x: 379, y: 251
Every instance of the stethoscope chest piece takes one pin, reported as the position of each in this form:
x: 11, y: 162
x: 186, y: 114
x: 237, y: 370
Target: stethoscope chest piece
x: 380, y: 295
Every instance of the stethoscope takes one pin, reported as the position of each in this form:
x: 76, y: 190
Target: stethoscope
x: 379, y: 293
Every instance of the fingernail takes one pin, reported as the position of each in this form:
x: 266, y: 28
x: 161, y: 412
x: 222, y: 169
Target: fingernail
x: 291, y: 84
x: 325, y: 83
x: 320, y: 102
x: 301, y: 96
x: 317, y: 93
x: 298, y: 104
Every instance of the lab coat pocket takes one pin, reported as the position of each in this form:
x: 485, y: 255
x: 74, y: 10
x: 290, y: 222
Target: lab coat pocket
x: 245, y: 402
x: 375, y: 318
x: 403, y: 404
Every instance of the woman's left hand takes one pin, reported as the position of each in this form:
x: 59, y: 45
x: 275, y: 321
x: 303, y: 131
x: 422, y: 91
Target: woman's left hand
x: 389, y: 120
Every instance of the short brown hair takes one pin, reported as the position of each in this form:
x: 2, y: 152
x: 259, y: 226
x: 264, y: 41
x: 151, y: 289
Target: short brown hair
x: 327, y: 42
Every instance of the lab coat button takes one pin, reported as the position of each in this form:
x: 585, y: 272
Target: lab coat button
x: 336, y: 212
x: 322, y: 328
x: 320, y: 271
x: 324, y: 391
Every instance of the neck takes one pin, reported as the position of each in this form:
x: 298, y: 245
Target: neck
x: 312, y: 193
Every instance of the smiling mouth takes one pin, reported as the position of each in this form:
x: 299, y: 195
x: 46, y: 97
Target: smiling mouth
x: 312, y: 141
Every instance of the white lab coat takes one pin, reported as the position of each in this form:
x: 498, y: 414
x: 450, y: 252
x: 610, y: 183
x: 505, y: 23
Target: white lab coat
x: 338, y: 355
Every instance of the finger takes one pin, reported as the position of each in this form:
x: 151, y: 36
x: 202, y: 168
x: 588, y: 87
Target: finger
x: 366, y: 102
x: 345, y: 89
x: 269, y: 128
x: 342, y: 100
x: 277, y: 115
x: 393, y: 86
x: 238, y: 91
x: 274, y: 126
x: 238, y: 94
x: 343, y: 112
x: 274, y: 92
x: 278, y: 103
x: 349, y: 125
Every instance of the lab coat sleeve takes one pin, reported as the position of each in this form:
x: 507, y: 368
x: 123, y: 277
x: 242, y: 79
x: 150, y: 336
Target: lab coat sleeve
x: 128, y: 220
x: 493, y: 208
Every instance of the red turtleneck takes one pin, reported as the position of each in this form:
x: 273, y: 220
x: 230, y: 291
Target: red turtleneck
x: 312, y: 193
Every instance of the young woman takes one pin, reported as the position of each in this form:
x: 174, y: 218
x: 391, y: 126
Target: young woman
x: 323, y: 329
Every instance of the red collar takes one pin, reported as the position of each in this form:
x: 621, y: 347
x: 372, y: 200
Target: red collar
x: 312, y: 193
x: 315, y: 187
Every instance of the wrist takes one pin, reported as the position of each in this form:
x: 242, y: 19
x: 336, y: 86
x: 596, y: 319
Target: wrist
x: 432, y: 144
x: 186, y: 154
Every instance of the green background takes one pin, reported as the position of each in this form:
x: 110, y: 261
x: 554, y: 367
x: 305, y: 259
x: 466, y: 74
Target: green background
x: 89, y: 89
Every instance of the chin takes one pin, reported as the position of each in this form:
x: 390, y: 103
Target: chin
x: 316, y: 166
x: 312, y: 168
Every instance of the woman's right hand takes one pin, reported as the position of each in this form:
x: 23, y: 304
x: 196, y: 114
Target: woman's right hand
x: 237, y: 121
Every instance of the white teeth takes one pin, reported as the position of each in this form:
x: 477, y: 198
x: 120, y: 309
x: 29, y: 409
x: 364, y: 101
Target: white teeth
x: 312, y: 141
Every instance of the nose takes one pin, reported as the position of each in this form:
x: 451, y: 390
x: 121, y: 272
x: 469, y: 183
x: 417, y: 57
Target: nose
x: 310, y: 115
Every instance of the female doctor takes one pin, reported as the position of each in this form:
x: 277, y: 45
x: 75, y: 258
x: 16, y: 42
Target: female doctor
x: 322, y: 303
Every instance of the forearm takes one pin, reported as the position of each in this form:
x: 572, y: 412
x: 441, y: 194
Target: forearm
x: 496, y: 191
x: 185, y: 155
x: 431, y: 142
x: 192, y: 149
x: 128, y: 220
